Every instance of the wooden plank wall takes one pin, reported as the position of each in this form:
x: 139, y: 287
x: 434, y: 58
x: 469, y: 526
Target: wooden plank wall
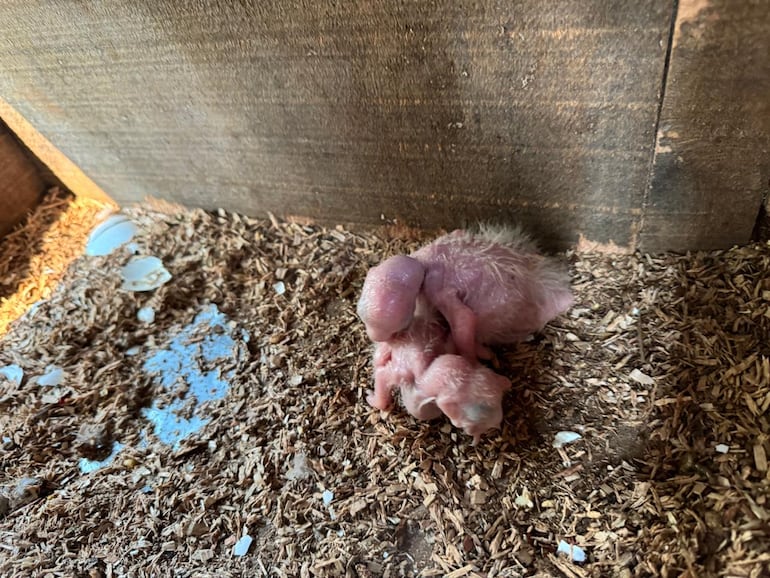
x: 712, y: 156
x: 431, y: 114
x: 21, y: 184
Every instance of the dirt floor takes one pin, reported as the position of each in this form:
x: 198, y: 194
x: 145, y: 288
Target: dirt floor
x: 662, y: 367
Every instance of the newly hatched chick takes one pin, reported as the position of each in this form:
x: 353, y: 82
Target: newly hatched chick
x: 434, y: 313
x: 399, y: 362
x: 468, y: 393
x: 421, y: 363
x: 492, y: 286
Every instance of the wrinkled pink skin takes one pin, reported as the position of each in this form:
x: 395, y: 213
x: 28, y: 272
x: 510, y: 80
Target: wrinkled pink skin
x: 398, y: 363
x: 433, y: 380
x: 492, y: 287
x: 468, y: 393
x: 387, y: 302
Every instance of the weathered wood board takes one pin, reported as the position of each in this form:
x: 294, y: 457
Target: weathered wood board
x: 712, y: 159
x: 21, y: 184
x: 433, y: 114
x: 53, y: 166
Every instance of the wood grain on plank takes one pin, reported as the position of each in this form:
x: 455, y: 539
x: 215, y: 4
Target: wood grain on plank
x: 21, y: 185
x: 428, y: 113
x: 712, y: 156
x: 52, y: 165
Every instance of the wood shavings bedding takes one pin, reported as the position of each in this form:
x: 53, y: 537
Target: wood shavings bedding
x: 662, y: 359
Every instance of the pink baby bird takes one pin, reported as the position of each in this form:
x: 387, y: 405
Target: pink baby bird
x: 399, y: 362
x: 434, y: 313
x: 492, y: 287
x: 420, y: 363
x: 468, y: 393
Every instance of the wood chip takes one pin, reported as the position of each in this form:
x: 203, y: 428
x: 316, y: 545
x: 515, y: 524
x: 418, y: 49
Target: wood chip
x: 760, y: 457
x: 460, y: 572
x: 642, y: 378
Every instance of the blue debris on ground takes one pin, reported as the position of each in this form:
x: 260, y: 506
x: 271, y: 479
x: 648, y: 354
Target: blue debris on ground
x: 193, y: 363
x: 87, y: 466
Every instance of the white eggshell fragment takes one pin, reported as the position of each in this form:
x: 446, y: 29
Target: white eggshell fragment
x: 565, y: 437
x: 109, y: 235
x: 576, y: 553
x: 12, y: 373
x: 54, y: 376
x: 524, y: 499
x: 641, y: 378
x: 144, y: 274
x: 242, y: 546
x: 146, y: 315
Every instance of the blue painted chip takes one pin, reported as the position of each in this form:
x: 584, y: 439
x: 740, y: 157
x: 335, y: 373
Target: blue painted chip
x: 192, y: 361
x: 88, y: 466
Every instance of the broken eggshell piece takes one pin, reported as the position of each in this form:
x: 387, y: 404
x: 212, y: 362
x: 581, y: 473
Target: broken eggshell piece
x: 242, y: 546
x: 563, y: 438
x: 109, y: 235
x: 146, y: 315
x: 575, y: 553
x: 144, y: 274
x: 13, y: 373
x: 53, y: 376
